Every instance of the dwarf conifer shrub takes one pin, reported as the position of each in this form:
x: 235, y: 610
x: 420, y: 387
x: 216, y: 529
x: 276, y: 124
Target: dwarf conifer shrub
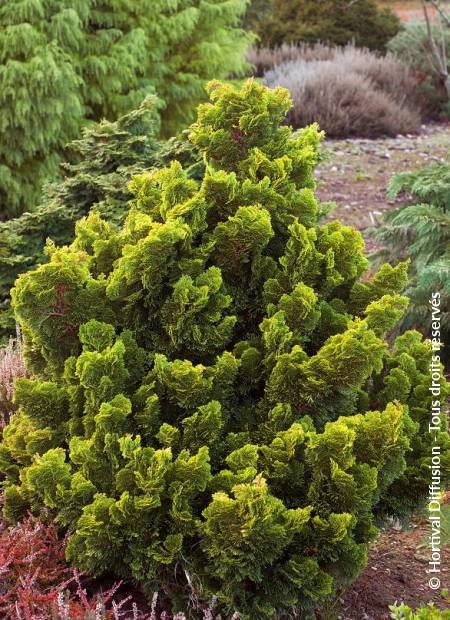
x: 216, y: 411
x: 103, y: 161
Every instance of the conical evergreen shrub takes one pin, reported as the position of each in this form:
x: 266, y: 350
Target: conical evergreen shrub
x: 216, y: 411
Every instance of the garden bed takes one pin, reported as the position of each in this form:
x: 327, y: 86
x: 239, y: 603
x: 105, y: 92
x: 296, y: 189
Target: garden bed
x: 396, y: 572
x: 356, y: 173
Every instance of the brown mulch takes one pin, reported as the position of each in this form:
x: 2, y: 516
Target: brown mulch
x: 396, y: 572
x: 415, y: 14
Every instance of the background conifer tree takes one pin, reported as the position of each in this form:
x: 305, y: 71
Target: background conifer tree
x: 40, y: 100
x: 420, y: 232
x: 62, y: 62
x: 257, y: 10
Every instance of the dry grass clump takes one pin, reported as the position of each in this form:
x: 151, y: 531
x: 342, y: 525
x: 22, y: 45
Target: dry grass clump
x: 354, y: 93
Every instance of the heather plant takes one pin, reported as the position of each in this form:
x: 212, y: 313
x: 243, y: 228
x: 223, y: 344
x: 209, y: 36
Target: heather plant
x: 421, y: 232
x: 216, y: 413
x: 12, y: 367
x: 348, y: 91
x: 103, y: 161
x: 37, y: 584
x: 63, y: 63
x: 335, y: 22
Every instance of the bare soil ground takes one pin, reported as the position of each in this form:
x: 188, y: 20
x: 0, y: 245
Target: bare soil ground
x: 396, y: 571
x: 356, y: 172
x: 401, y: 4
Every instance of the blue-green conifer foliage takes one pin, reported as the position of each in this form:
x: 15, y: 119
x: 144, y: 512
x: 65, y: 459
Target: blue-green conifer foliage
x: 65, y: 62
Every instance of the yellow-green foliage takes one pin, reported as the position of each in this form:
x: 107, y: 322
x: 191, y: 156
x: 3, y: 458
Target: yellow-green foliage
x: 430, y: 612
x: 215, y: 405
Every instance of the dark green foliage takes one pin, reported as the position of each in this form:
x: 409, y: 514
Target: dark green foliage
x: 421, y: 232
x: 64, y: 62
x: 215, y: 409
x: 104, y: 160
x: 335, y: 22
x: 257, y: 11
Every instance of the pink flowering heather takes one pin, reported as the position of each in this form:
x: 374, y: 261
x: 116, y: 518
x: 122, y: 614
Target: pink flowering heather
x: 37, y: 584
x: 12, y: 366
